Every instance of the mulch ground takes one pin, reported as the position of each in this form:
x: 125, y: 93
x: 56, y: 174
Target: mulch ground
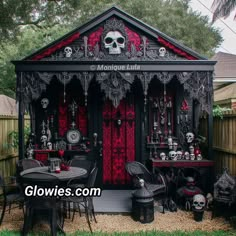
x: 169, y: 221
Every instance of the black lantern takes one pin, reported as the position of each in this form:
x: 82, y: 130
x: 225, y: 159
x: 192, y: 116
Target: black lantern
x: 143, y: 204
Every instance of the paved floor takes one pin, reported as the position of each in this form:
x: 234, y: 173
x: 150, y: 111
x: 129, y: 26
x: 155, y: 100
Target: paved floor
x: 113, y: 201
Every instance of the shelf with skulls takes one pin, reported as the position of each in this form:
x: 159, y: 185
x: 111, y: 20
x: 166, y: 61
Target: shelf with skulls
x: 48, y: 138
x: 171, y: 150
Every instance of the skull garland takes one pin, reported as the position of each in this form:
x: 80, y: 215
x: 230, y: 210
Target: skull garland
x: 114, y: 41
x: 44, y: 103
x: 189, y: 137
x: 199, y: 203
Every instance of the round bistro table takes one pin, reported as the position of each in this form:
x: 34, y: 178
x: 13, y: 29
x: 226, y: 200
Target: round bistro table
x: 73, y: 172
x: 35, y: 175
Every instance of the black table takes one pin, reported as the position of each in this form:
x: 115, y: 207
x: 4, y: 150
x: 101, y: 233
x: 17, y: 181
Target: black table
x: 36, y: 176
x: 63, y: 176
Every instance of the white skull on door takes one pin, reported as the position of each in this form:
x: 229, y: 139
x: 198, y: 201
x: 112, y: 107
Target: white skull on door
x: 44, y: 103
x: 114, y: 41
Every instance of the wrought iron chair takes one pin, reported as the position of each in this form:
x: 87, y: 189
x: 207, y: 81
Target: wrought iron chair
x: 51, y: 204
x: 85, y: 202
x: 10, y: 194
x: 156, y: 183
x: 25, y: 164
x: 85, y: 164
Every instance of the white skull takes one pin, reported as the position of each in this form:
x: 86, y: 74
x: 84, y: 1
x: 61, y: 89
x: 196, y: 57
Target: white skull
x: 179, y: 155
x: 192, y: 157
x: 114, y: 41
x: 191, y: 149
x: 49, y: 145
x: 175, y: 146
x: 43, y: 139
x: 173, y: 156
x: 162, y: 52
x: 163, y: 156
x: 68, y: 51
x: 186, y: 156
x: 189, y: 137
x: 199, y: 202
x: 199, y: 157
x: 44, y: 103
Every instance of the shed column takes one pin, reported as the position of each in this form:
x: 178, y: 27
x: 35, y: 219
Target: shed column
x: 21, y: 121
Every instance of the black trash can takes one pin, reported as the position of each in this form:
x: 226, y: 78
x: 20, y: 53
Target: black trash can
x: 143, y: 204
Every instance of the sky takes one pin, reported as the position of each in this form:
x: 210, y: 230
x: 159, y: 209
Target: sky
x: 229, y: 44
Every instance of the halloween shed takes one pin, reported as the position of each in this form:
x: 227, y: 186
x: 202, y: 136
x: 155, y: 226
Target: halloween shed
x: 115, y: 90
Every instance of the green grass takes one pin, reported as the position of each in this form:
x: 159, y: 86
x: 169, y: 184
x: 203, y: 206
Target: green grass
x: 148, y: 233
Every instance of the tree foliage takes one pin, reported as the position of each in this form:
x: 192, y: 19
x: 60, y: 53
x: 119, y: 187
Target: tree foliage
x: 222, y: 8
x: 32, y: 24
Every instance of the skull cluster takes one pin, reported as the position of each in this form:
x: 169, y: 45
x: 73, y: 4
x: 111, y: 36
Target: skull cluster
x: 44, y: 103
x: 114, y: 41
x: 199, y: 202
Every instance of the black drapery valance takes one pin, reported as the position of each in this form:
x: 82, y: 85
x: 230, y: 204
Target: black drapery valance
x: 116, y: 84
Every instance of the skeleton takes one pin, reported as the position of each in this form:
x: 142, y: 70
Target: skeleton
x: 163, y: 156
x: 186, y: 156
x: 49, y: 146
x: 43, y: 140
x: 199, y: 202
x: 170, y: 142
x: 192, y: 157
x: 162, y: 52
x: 114, y: 41
x: 173, y: 155
x: 189, y: 137
x: 44, y: 103
x: 175, y: 146
x: 68, y: 51
x: 179, y: 155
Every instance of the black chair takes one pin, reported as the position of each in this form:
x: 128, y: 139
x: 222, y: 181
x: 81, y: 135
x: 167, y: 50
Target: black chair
x: 156, y: 183
x: 85, y: 202
x: 10, y: 194
x: 25, y: 164
x: 85, y: 164
x: 50, y: 204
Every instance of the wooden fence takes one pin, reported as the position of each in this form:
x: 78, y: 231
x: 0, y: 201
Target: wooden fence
x: 224, y: 141
x: 8, y: 154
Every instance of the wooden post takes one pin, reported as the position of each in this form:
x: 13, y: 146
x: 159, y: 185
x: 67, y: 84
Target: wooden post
x: 21, y: 117
x: 210, y: 117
